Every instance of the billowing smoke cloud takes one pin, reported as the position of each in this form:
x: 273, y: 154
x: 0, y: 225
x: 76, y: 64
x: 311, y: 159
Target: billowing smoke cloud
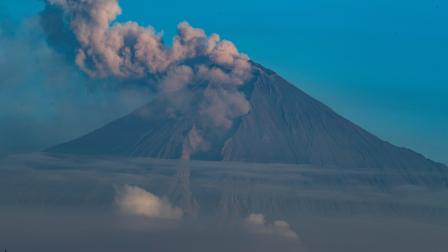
x: 257, y: 224
x: 191, y: 143
x: 128, y: 51
x: 136, y: 201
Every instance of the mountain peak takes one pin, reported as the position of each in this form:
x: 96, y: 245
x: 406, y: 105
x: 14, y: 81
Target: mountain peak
x: 284, y: 125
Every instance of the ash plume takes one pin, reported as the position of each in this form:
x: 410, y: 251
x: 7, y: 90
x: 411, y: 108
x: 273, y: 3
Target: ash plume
x: 192, y: 142
x: 105, y: 48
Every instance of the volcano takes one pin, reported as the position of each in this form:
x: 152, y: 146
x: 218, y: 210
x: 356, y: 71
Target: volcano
x: 284, y: 125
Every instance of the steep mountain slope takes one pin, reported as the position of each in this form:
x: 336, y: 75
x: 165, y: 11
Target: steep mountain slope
x: 285, y: 125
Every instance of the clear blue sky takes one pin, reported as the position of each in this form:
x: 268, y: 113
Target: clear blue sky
x: 383, y: 64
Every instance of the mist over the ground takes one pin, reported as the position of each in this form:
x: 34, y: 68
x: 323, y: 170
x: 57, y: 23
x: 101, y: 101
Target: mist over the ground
x: 100, y: 231
x: 73, y: 203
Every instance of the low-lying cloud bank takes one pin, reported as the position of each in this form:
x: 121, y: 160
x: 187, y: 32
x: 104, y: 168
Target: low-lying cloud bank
x: 137, y: 202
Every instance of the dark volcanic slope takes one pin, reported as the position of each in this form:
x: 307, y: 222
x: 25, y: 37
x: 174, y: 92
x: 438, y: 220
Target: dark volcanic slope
x: 285, y: 125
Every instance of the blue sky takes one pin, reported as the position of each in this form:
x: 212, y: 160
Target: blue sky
x: 382, y: 64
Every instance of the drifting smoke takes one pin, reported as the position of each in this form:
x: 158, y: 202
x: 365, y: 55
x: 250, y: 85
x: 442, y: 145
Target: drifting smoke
x: 191, y: 143
x: 127, y: 51
x: 138, y: 202
x: 257, y: 224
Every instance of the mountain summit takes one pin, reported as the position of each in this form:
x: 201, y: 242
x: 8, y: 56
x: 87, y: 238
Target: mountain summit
x: 284, y: 125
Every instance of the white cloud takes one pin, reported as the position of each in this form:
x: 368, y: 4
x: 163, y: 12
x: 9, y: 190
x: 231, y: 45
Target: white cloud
x: 135, y: 201
x: 256, y: 223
